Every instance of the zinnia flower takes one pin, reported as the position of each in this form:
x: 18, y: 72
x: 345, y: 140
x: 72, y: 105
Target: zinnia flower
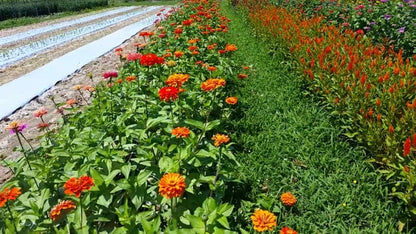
x: 172, y: 185
x: 9, y: 194
x: 242, y: 76
x: 78, y: 185
x: 168, y: 93
x: 78, y: 87
x: 110, y: 74
x: 220, y: 139
x: 71, y: 102
x: 181, y: 132
x: 178, y: 54
x: 15, y: 127
x: 288, y: 199
x: 287, y: 230
x: 406, y: 147
x: 263, y: 220
x: 212, y: 84
x: 40, y: 113
x: 43, y: 126
x: 230, y: 47
x: 133, y: 57
x: 62, y: 209
x: 151, y: 59
x: 130, y: 78
x: 231, y: 100
x: 176, y: 80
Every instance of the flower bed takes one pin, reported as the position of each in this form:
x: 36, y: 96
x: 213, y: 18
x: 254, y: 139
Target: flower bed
x: 371, y: 87
x: 151, y: 152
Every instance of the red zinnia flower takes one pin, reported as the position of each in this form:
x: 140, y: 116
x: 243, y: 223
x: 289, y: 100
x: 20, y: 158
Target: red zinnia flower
x: 287, y: 230
x: 406, y: 147
x: 78, y: 185
x: 178, y: 54
x: 242, y: 76
x: 9, y: 194
x: 168, y: 93
x: 150, y: 60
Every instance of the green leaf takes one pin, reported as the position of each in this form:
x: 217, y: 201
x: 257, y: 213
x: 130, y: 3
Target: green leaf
x: 110, y: 177
x: 125, y: 169
x: 105, y: 200
x: 197, y: 224
x: 224, y: 222
x: 98, y: 179
x: 195, y: 123
x: 225, y: 209
x: 142, y: 177
x: 209, y: 205
x: 211, y: 125
x: 165, y: 164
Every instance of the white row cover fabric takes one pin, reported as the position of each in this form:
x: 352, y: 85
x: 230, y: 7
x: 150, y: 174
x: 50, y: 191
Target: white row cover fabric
x: 18, y: 92
x: 57, y: 26
x: 11, y: 56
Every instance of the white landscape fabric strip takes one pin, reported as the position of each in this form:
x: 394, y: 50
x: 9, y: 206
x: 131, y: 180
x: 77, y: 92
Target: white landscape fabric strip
x: 20, y: 91
x: 52, y: 27
x: 13, y: 55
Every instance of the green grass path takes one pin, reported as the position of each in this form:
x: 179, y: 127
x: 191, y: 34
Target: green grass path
x: 291, y: 144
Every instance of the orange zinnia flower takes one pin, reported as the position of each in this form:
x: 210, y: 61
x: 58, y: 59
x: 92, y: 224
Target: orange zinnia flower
x: 212, y: 84
x: 9, y: 194
x: 181, y: 132
x: 230, y: 47
x: 61, y: 209
x: 263, y: 220
x: 220, y: 139
x: 231, y: 100
x: 40, y: 113
x: 176, y: 80
x: 78, y: 185
x: 288, y: 199
x: 178, y: 54
x: 172, y: 185
x: 168, y: 93
x: 71, y: 102
x: 288, y: 230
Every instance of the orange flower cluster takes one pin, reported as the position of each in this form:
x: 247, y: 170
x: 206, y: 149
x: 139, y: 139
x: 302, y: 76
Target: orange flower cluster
x: 220, y: 139
x: 181, y: 132
x: 288, y: 199
x: 168, y: 93
x: 62, y: 209
x: 172, y: 185
x: 176, y: 80
x: 263, y: 220
x: 231, y: 100
x: 230, y: 47
x: 9, y: 194
x: 78, y: 185
x: 212, y: 84
x: 287, y: 230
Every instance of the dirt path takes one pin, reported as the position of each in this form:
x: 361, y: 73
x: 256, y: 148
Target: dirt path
x: 61, y: 92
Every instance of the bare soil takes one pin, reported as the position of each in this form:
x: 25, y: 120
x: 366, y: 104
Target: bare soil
x: 61, y: 92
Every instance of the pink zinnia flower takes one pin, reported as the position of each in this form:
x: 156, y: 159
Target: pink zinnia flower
x: 110, y: 74
x: 133, y: 56
x: 16, y: 126
x: 40, y: 113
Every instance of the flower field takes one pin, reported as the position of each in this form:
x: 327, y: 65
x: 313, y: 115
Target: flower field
x: 155, y: 146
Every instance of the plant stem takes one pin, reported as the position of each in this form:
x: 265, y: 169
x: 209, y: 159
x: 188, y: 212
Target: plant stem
x: 31, y: 147
x: 11, y: 216
x: 80, y: 204
x: 218, y: 170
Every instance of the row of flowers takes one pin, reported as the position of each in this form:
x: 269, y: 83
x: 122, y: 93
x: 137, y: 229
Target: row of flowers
x: 372, y: 88
x: 148, y: 149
